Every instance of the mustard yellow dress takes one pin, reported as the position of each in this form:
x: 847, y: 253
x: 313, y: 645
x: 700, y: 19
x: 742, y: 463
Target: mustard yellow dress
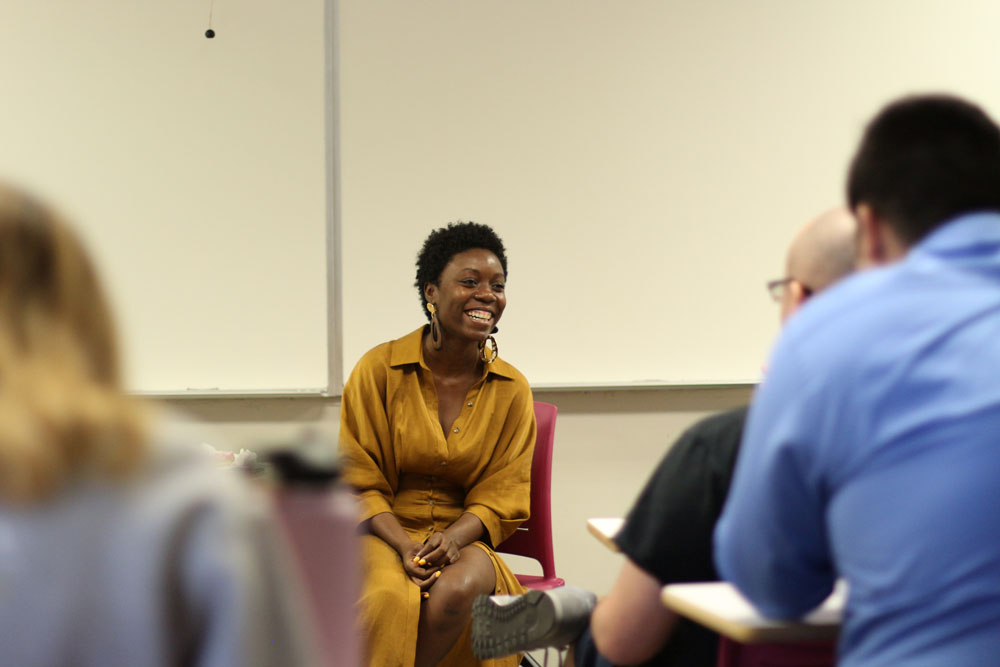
x: 399, y: 460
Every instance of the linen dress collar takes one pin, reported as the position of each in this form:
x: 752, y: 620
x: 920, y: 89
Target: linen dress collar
x: 408, y: 350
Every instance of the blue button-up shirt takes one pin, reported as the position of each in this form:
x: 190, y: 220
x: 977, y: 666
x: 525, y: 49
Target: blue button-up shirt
x: 872, y: 453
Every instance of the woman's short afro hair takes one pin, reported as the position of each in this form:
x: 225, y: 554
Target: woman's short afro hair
x: 445, y: 243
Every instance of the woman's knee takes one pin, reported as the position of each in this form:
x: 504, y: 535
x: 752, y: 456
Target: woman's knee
x: 457, y: 592
x: 452, y: 595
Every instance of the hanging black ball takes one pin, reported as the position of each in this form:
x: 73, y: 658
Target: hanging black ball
x: 210, y: 33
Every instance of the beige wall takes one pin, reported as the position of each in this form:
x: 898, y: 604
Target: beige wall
x: 607, y: 442
x: 646, y: 162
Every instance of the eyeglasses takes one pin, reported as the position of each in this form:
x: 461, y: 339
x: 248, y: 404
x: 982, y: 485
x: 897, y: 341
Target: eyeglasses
x: 776, y: 288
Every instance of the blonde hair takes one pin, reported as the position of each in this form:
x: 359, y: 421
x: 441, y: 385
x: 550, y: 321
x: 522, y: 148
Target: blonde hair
x: 63, y: 411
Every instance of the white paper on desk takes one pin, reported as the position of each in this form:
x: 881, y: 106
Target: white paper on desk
x: 607, y: 527
x: 724, y: 600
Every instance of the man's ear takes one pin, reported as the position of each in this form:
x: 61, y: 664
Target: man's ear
x: 872, y: 249
x: 798, y: 294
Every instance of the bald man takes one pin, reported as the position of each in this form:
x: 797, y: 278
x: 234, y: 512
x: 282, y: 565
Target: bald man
x: 821, y: 254
x: 667, y: 536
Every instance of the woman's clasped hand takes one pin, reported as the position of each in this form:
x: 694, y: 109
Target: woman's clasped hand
x: 424, y: 561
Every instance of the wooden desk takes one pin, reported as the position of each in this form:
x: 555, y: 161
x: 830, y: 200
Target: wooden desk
x: 719, y: 606
x: 605, y: 530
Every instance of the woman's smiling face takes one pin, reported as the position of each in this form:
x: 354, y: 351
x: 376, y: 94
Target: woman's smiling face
x: 469, y: 295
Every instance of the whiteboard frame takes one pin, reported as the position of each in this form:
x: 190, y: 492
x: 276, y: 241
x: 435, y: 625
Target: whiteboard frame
x: 334, y: 328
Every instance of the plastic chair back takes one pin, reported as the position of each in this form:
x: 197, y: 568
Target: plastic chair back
x: 533, y: 538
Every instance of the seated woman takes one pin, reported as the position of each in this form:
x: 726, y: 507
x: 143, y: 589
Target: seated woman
x: 437, y: 434
x: 120, y: 542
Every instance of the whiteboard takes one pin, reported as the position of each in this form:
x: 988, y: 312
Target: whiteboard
x: 646, y: 161
x: 197, y: 171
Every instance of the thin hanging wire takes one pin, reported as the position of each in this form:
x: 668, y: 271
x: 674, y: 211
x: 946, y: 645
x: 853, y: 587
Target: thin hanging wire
x: 211, y: 6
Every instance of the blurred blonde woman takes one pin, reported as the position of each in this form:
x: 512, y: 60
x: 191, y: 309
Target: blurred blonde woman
x: 119, y: 543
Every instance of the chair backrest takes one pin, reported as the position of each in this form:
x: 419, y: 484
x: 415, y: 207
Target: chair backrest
x: 533, y: 538
x: 803, y: 654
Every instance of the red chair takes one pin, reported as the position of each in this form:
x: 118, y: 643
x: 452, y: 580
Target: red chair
x: 533, y: 538
x: 804, y: 654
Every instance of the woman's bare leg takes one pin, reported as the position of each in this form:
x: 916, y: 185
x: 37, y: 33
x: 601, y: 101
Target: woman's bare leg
x: 444, y: 615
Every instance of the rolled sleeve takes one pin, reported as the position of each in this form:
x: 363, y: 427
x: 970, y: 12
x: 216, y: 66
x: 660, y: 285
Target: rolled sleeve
x: 490, y: 520
x: 501, y: 497
x: 365, y: 448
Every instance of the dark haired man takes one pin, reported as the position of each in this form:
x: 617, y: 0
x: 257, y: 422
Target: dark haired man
x: 872, y: 450
x: 667, y: 536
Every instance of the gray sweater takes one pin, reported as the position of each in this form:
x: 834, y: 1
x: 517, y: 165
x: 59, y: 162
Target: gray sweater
x: 178, y: 566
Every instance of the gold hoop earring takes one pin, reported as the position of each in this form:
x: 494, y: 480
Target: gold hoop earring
x: 435, y: 326
x: 489, y: 353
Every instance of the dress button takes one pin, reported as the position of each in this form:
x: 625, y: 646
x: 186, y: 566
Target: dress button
x: 454, y: 430
x: 432, y: 503
x: 469, y: 404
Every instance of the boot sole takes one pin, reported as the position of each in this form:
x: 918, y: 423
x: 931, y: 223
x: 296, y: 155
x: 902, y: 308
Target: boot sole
x: 502, y: 630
